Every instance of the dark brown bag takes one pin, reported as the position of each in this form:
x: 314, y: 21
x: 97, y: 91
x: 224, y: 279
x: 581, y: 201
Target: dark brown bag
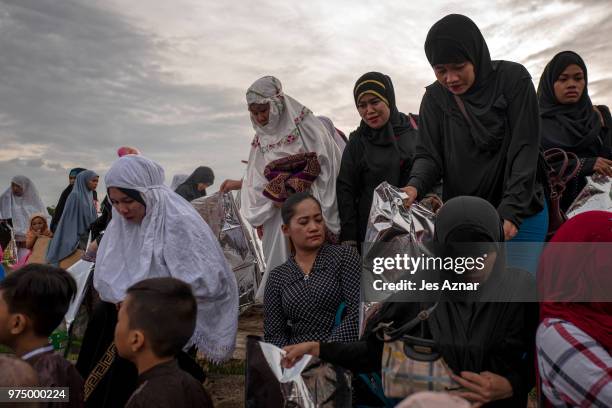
x: 561, y: 167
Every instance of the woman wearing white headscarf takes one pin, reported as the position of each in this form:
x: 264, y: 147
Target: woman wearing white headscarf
x: 285, y: 133
x: 17, y: 204
x: 155, y: 233
x: 155, y: 247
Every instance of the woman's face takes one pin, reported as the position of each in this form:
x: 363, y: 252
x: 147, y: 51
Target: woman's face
x: 38, y: 224
x: 374, y: 112
x: 17, y: 189
x: 92, y: 184
x: 261, y: 112
x: 570, y: 85
x: 130, y: 209
x: 306, y: 228
x: 456, y: 77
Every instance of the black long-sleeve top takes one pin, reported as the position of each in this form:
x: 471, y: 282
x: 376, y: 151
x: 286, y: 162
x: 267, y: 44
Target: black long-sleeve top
x: 498, y: 337
x: 299, y: 307
x: 357, y: 179
x: 507, y: 177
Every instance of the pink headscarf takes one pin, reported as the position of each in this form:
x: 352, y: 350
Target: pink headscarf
x: 125, y: 150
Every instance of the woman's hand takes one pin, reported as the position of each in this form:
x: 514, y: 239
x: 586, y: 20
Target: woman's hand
x: 482, y: 388
x: 603, y: 166
x: 295, y: 352
x: 93, y: 247
x: 412, y: 195
x: 510, y: 230
x: 229, y: 185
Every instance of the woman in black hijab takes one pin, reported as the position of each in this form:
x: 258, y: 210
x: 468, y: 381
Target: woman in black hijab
x: 381, y: 149
x: 479, y: 131
x: 571, y: 122
x: 195, y: 186
x: 489, y: 346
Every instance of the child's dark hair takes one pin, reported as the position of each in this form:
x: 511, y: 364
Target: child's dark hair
x: 288, y: 208
x: 165, y: 310
x: 41, y: 292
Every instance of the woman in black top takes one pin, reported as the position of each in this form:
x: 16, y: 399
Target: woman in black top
x: 196, y: 184
x: 304, y: 295
x: 571, y: 122
x: 479, y: 130
x: 381, y: 149
x: 489, y: 346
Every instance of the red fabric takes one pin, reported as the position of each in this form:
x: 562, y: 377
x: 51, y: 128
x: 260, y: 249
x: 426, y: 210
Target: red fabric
x: 124, y: 150
x: 587, y: 269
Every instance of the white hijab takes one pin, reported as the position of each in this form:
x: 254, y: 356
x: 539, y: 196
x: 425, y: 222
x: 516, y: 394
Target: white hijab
x: 291, y: 129
x: 21, y: 208
x: 329, y: 125
x: 172, y: 240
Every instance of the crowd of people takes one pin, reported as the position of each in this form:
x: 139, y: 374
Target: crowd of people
x: 473, y: 155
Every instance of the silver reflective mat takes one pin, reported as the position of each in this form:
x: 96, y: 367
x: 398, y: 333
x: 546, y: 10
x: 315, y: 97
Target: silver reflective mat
x: 222, y: 216
x: 595, y: 196
x: 389, y: 222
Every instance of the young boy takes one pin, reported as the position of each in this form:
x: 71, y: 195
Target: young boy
x: 155, y: 321
x: 33, y: 302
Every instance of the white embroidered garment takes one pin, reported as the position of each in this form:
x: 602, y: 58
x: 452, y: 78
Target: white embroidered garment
x: 172, y: 240
x: 291, y: 129
x: 329, y: 125
x: 21, y: 208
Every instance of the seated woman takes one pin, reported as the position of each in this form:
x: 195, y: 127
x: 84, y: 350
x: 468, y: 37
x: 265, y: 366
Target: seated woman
x: 382, y: 148
x: 574, y: 340
x: 292, y: 151
x: 479, y: 132
x: 487, y: 345
x: 154, y: 233
x: 38, y: 228
x: 571, y: 122
x: 303, y: 295
x: 72, y: 232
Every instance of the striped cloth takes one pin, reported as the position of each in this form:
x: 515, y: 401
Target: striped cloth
x: 575, y: 370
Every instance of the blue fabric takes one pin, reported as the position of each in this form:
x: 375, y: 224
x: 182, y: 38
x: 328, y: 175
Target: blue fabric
x: 1, y: 271
x: 524, y: 249
x: 79, y: 213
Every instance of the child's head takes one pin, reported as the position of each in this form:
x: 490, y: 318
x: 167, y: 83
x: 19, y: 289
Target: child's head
x: 157, y: 314
x: 38, y: 223
x: 33, y: 301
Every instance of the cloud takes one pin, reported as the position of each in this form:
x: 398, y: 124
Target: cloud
x: 80, y: 78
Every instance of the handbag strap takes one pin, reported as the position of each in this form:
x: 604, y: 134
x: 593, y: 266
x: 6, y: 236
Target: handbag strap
x: 394, y: 334
x: 563, y: 175
x: 461, y: 106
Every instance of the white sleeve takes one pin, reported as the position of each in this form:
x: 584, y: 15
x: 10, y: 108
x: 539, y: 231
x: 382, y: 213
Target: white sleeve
x: 257, y: 208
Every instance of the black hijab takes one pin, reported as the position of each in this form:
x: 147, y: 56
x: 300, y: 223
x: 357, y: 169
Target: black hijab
x: 378, y: 156
x: 478, y: 335
x: 456, y: 39
x: 575, y: 127
x: 189, y: 188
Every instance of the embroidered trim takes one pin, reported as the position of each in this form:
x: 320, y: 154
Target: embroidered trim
x: 99, y: 371
x: 290, y: 138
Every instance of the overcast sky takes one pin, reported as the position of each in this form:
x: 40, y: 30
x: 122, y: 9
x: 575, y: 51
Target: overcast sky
x: 79, y: 78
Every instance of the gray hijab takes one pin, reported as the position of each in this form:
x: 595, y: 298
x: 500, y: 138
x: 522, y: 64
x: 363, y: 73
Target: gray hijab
x: 78, y: 215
